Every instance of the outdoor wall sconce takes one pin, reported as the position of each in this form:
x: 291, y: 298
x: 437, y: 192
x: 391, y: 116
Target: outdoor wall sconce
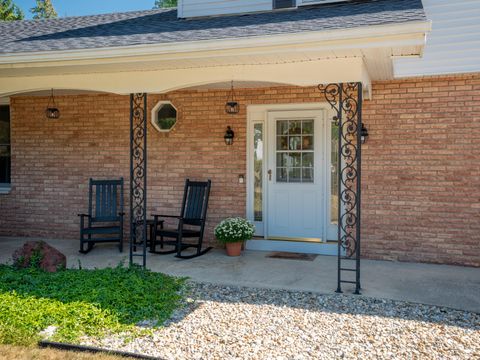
x: 231, y: 106
x: 363, y: 134
x: 229, y: 135
x: 52, y: 111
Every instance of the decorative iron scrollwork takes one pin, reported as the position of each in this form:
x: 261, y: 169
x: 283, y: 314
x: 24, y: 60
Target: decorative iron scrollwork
x: 138, y: 173
x: 346, y: 101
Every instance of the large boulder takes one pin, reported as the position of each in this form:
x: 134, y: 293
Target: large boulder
x: 39, y: 254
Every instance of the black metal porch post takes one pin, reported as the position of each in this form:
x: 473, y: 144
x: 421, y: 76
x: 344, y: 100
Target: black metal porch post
x: 138, y: 176
x: 346, y: 100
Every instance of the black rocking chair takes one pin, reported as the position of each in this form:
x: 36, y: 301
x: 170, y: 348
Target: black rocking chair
x: 105, y: 214
x: 191, y: 222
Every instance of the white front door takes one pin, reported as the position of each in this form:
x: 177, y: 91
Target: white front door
x: 296, y: 175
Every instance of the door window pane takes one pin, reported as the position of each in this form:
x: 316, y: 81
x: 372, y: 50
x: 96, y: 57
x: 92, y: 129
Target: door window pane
x: 307, y: 143
x: 294, y: 175
x: 282, y: 174
x: 307, y: 175
x: 295, y: 159
x: 294, y: 127
x: 295, y: 151
x: 282, y: 159
x: 307, y: 160
x: 282, y: 143
x: 258, y: 172
x: 307, y: 128
x: 295, y: 143
x: 282, y: 128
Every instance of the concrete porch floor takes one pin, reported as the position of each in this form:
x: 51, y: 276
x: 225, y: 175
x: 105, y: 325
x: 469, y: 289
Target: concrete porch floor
x: 444, y: 285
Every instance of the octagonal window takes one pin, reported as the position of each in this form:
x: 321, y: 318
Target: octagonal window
x: 164, y: 116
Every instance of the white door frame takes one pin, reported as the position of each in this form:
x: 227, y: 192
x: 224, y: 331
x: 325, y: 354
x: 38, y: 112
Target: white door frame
x: 259, y: 114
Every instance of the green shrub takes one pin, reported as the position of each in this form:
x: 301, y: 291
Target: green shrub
x: 77, y: 302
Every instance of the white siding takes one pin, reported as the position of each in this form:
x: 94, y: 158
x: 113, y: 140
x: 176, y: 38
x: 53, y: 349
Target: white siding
x: 453, y: 46
x: 192, y: 8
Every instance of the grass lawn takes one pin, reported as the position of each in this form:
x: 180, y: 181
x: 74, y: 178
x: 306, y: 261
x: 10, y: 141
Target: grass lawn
x: 10, y: 352
x: 74, y: 303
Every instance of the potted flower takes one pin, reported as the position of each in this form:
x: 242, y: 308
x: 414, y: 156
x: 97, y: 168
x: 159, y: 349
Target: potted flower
x: 233, y: 232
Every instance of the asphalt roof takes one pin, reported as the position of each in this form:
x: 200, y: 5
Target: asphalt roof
x: 162, y: 26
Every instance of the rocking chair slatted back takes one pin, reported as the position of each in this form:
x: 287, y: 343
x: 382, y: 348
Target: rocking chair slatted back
x: 108, y: 201
x: 195, y: 202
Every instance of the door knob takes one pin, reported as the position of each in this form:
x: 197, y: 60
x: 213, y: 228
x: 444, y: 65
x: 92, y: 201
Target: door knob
x: 269, y: 174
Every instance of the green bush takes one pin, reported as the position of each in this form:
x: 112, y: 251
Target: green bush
x: 78, y: 302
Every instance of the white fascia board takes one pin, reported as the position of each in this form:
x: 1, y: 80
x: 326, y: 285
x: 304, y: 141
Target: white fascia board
x: 370, y: 32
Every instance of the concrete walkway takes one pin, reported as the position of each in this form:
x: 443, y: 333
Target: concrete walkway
x: 452, y: 286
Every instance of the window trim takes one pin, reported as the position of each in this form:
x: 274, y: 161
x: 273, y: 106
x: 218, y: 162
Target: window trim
x: 154, y: 113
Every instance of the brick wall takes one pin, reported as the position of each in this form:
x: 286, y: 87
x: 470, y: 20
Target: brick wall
x: 421, y: 171
x: 421, y: 200
x: 53, y: 160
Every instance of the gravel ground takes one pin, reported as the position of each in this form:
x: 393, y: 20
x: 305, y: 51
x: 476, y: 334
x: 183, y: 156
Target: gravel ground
x: 225, y: 322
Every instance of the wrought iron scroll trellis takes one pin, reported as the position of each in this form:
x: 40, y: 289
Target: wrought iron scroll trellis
x: 138, y: 176
x: 346, y: 100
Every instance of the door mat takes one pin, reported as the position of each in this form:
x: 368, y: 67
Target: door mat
x: 292, y: 256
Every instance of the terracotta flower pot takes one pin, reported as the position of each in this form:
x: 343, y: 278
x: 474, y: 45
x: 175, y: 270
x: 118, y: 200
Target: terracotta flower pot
x: 234, y: 249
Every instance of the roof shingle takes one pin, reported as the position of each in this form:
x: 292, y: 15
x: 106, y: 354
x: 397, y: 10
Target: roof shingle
x: 162, y: 26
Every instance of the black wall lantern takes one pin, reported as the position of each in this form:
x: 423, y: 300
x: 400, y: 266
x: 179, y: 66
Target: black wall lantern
x: 229, y: 135
x: 52, y: 111
x: 364, y: 134
x: 231, y: 106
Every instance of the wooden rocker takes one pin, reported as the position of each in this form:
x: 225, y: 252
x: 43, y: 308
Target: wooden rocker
x: 105, y: 215
x: 191, y: 223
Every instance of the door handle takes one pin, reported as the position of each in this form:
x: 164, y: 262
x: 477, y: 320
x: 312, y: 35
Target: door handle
x: 269, y: 172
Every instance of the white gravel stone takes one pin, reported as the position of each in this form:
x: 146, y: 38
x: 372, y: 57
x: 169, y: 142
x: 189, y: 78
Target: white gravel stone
x: 225, y: 322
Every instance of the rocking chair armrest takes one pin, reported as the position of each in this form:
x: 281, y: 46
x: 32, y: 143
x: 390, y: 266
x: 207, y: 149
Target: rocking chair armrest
x: 166, y: 216
x: 193, y: 219
x: 83, y: 215
x: 121, y: 214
